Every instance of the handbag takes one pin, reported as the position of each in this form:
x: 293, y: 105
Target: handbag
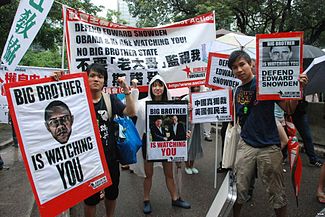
x: 128, y: 141
x: 231, y: 141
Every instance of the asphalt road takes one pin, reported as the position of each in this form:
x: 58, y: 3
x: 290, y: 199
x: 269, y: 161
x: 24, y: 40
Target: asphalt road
x: 16, y: 198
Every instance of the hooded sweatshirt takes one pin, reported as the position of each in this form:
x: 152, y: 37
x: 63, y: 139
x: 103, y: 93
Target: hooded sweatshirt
x: 141, y: 113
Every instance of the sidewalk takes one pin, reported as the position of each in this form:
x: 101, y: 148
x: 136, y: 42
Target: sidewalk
x: 5, y: 135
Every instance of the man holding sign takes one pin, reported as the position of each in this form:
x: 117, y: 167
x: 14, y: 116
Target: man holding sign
x: 259, y: 146
x: 97, y: 77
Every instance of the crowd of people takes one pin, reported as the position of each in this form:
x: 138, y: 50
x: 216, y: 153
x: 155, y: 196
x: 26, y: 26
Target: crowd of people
x: 259, y: 150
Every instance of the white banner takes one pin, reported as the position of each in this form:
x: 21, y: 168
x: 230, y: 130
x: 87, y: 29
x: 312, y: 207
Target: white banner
x: 174, y: 51
x: 213, y: 106
x: 166, y: 130
x: 21, y: 73
x: 59, y: 139
x: 29, y: 18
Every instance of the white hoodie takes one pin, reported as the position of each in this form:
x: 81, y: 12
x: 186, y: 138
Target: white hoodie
x: 141, y: 107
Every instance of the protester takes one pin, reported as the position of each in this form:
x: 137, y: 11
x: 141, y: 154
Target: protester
x: 259, y: 146
x: 300, y: 120
x: 280, y: 123
x: 97, y: 78
x: 321, y: 184
x: 206, y: 126
x: 157, y: 91
x: 195, y: 149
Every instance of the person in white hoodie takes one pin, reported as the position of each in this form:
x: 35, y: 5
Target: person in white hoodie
x: 157, y: 91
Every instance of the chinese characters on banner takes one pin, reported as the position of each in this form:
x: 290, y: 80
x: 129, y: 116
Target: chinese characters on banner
x: 21, y: 73
x: 174, y: 51
x: 278, y: 65
x: 213, y: 106
x: 218, y: 73
x: 29, y: 18
x: 166, y: 124
x: 61, y: 146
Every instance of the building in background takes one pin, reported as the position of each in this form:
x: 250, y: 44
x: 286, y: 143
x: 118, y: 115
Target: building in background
x: 123, y: 8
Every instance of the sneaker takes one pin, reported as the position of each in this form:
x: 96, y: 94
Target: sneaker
x: 147, y: 207
x: 181, y: 203
x: 207, y: 138
x: 188, y: 171
x: 316, y: 163
x: 195, y: 171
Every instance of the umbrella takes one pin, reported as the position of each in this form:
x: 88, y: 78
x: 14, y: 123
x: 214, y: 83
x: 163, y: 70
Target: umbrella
x: 295, y: 164
x: 310, y: 53
x: 316, y: 76
x: 230, y: 42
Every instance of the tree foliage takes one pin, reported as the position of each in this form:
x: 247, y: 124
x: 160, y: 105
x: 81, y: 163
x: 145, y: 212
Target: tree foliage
x: 247, y: 16
x: 50, y: 35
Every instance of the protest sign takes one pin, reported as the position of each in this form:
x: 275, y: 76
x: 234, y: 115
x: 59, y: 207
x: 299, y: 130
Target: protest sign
x: 174, y: 51
x: 21, y: 73
x: 59, y: 139
x: 212, y: 106
x: 166, y: 124
x: 29, y: 18
x: 278, y: 65
x: 218, y: 73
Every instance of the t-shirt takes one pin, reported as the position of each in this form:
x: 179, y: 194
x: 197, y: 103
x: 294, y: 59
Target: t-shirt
x: 105, y: 126
x: 256, y: 118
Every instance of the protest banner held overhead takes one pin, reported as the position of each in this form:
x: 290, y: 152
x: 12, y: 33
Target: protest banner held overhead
x: 174, y: 51
x: 29, y: 18
x: 166, y: 124
x: 218, y: 73
x: 211, y: 106
x: 21, y: 73
x: 56, y: 128
x: 278, y: 65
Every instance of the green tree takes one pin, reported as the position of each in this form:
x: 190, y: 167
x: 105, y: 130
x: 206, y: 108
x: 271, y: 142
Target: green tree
x: 115, y: 16
x: 247, y: 16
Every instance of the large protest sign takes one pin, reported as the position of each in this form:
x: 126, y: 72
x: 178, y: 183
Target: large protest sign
x: 59, y: 139
x: 166, y: 124
x: 21, y: 73
x: 211, y: 106
x: 174, y: 51
x: 278, y: 65
x: 218, y: 73
x: 29, y: 18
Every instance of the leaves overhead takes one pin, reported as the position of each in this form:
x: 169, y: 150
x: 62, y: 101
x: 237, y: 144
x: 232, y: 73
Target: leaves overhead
x: 247, y: 16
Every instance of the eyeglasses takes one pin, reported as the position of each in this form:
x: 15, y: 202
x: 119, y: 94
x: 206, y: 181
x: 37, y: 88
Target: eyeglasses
x: 55, y: 122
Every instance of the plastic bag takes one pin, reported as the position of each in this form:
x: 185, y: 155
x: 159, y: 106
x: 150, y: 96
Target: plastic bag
x: 128, y: 141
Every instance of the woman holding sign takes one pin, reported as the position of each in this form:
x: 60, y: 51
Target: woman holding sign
x: 157, y: 91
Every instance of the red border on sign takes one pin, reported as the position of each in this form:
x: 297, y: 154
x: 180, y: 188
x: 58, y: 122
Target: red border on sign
x: 77, y: 194
x: 300, y: 35
x: 210, y: 57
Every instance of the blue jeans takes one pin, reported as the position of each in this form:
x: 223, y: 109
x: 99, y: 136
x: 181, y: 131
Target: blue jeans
x: 301, y: 123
